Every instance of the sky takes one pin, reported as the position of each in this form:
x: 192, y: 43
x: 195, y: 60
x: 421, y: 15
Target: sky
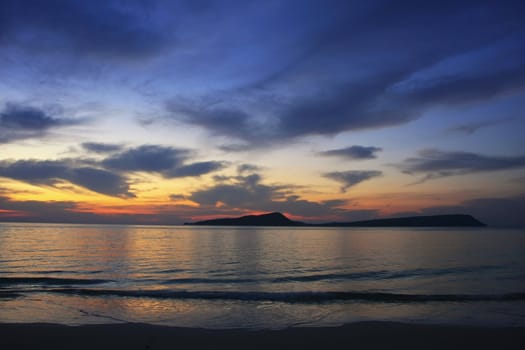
x: 163, y: 112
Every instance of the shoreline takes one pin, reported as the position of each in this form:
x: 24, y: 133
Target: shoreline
x: 361, y: 335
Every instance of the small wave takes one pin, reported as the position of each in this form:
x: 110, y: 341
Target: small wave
x: 197, y: 280
x: 48, y: 281
x: 363, y: 275
x: 291, y: 297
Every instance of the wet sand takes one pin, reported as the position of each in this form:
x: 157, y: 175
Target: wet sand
x: 363, y: 335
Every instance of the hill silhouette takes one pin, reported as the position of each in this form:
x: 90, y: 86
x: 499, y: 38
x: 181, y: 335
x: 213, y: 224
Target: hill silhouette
x: 270, y: 219
x: 278, y: 219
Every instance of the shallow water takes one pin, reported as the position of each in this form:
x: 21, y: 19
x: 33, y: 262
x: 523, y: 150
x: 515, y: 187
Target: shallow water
x: 222, y: 277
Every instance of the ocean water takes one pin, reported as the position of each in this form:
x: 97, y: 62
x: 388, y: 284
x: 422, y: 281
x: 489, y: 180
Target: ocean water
x: 253, y: 277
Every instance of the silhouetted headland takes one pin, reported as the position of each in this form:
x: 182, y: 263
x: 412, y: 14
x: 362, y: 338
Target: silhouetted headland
x: 270, y: 219
x: 278, y: 219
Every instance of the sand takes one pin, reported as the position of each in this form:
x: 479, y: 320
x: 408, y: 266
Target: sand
x: 364, y: 335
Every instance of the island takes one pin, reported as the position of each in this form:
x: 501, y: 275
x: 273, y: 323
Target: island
x: 278, y: 219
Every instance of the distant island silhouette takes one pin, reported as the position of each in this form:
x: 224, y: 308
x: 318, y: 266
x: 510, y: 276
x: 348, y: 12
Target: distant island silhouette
x: 278, y: 219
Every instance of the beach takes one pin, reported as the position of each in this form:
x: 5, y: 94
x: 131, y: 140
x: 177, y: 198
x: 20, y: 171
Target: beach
x: 361, y: 335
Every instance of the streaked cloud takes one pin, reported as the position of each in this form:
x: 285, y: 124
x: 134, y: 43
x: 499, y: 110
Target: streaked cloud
x: 19, y: 121
x: 435, y: 164
x: 353, y: 152
x: 352, y: 177
x: 109, y: 176
x: 50, y: 173
x: 168, y: 161
x: 195, y: 169
x: 304, y: 95
x: 472, y: 127
x: 101, y: 148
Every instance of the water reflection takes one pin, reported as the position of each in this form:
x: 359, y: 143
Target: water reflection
x: 37, y: 260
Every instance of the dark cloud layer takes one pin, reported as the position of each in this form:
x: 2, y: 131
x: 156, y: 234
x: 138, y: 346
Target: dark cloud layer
x: 352, y: 177
x: 472, y: 127
x: 101, y: 148
x: 168, y: 161
x: 109, y: 175
x: 371, y: 66
x: 195, y: 169
x: 51, y: 172
x: 19, y: 121
x: 102, y: 28
x: 147, y: 158
x: 353, y: 152
x: 436, y: 164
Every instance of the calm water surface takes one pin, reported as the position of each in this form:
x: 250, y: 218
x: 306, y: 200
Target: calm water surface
x: 222, y: 277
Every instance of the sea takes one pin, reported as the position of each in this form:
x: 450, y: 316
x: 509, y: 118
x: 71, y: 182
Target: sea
x: 260, y: 277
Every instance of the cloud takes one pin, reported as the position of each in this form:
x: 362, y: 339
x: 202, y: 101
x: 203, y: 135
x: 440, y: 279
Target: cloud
x: 167, y: 161
x: 195, y: 169
x: 470, y: 128
x: 147, y: 158
x: 73, y: 212
x: 50, y: 173
x: 37, y: 210
x: 101, y: 148
x: 101, y: 181
x: 436, y: 164
x: 109, y: 175
x: 369, y: 67
x: 352, y: 177
x: 176, y: 197
x: 223, y: 121
x: 246, y: 193
x: 105, y: 29
x: 247, y: 168
x: 18, y: 122
x: 353, y: 152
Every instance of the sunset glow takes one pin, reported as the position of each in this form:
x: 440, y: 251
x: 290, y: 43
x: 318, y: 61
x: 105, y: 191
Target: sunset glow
x: 148, y: 113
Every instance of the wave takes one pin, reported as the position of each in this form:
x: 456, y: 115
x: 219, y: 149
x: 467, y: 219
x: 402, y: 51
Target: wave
x: 48, y: 281
x: 288, y: 297
x: 363, y: 275
x: 42, y: 279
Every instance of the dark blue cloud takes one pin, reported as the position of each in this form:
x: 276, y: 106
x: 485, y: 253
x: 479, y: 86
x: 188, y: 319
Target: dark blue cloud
x: 108, y: 176
x: 195, y: 169
x: 19, y: 121
x: 436, y: 164
x: 102, y: 28
x: 147, y: 158
x: 168, y: 161
x: 101, y: 148
x: 50, y: 173
x: 352, y: 177
x: 472, y: 127
x: 101, y: 181
x: 353, y: 152
x: 368, y: 66
x: 34, y: 171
